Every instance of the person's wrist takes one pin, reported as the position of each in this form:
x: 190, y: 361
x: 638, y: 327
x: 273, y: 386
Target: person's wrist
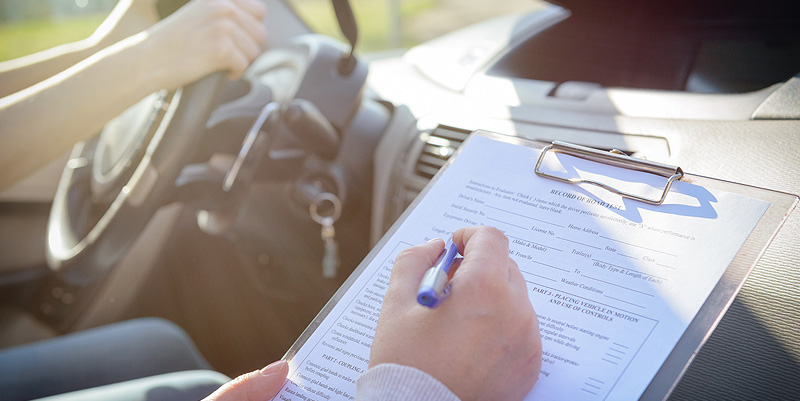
x: 135, y: 64
x: 152, y: 72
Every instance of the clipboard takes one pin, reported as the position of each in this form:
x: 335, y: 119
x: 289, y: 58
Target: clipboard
x: 715, y: 305
x: 720, y: 299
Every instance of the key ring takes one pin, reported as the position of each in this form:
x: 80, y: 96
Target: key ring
x: 318, y: 201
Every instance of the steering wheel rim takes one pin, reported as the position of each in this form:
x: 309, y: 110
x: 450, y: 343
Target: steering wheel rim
x: 81, y: 253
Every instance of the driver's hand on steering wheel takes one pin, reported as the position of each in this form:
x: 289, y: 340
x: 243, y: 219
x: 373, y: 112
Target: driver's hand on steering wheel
x: 130, y: 17
x: 202, y: 37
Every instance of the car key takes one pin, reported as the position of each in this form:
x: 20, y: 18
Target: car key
x: 330, y: 257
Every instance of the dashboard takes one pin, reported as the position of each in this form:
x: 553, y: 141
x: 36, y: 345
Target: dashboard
x: 478, y: 78
x: 717, y: 96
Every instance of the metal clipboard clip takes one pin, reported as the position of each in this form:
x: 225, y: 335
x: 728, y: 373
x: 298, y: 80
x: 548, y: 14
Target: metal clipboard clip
x: 615, y: 158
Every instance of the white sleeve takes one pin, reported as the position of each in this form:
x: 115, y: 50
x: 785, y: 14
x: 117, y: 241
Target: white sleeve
x: 393, y: 382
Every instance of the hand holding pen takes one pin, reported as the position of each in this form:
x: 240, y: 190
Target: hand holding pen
x: 483, y: 342
x: 435, y: 284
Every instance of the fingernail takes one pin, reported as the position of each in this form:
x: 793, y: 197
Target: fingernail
x: 434, y: 240
x: 273, y: 368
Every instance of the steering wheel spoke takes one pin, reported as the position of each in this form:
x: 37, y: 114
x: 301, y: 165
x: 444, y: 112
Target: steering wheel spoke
x: 109, y: 192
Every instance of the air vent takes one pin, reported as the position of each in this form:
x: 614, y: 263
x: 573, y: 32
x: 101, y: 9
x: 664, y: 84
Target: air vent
x: 439, y: 145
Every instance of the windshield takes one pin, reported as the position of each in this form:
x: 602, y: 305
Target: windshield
x: 393, y: 24
x: 706, y: 48
x: 732, y: 52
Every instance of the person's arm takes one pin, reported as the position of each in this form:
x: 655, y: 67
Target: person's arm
x: 44, y: 120
x: 127, y: 18
x: 390, y: 381
x: 483, y: 341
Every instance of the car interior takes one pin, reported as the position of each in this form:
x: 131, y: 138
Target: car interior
x: 237, y: 208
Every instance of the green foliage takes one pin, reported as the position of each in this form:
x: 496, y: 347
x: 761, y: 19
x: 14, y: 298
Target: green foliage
x: 373, y: 16
x: 22, y: 38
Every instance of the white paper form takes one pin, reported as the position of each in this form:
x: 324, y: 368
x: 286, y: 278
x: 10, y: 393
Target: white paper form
x: 614, y: 282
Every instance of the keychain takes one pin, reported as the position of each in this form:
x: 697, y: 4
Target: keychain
x: 330, y: 258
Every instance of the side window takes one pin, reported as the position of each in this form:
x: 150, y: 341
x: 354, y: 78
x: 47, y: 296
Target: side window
x: 29, y: 26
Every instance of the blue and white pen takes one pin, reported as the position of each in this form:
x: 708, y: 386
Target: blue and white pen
x: 435, y: 286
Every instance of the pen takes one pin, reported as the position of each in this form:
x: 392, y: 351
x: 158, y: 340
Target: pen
x: 434, y: 287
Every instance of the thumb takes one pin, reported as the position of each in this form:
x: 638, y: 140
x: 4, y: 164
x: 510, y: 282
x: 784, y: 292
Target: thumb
x: 412, y: 263
x: 259, y: 385
x: 409, y: 267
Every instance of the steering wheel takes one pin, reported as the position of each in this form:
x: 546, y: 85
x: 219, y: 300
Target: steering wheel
x: 113, y: 185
